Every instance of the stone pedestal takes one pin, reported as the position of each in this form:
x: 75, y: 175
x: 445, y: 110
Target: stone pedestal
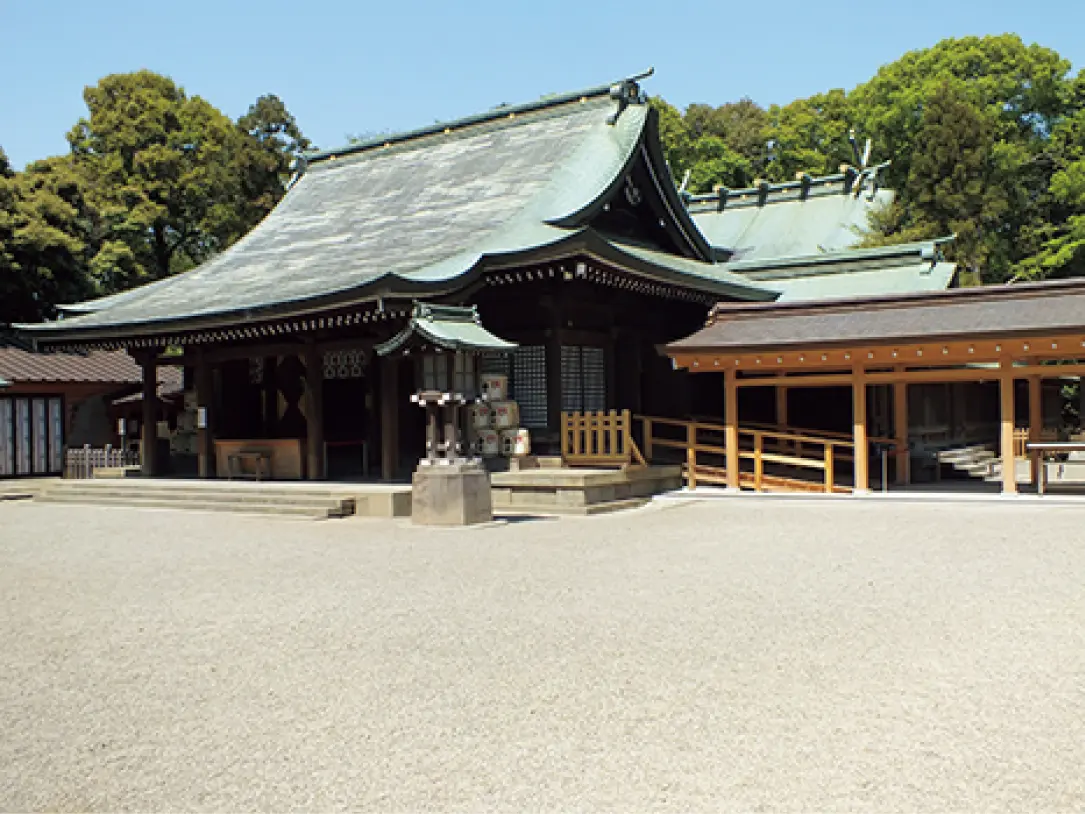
x: 455, y: 494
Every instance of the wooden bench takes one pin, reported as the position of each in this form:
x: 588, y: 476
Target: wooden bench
x: 261, y: 459
x: 1059, y: 451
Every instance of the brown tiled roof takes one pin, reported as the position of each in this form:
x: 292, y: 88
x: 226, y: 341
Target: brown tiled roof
x: 967, y: 313
x: 20, y: 364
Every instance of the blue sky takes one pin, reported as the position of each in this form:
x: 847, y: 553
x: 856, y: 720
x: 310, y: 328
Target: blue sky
x: 347, y: 67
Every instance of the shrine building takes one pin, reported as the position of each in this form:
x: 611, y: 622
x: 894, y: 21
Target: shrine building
x: 556, y: 225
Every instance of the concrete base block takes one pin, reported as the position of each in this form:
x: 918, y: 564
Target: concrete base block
x: 453, y: 495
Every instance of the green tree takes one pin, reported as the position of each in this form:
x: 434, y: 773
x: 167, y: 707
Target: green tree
x: 810, y: 135
x: 163, y: 170
x: 45, y: 234
x: 674, y: 135
x: 956, y: 183
x: 1059, y: 239
x: 1022, y: 87
x: 274, y: 142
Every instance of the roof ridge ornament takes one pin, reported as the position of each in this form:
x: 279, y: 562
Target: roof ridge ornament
x: 626, y: 93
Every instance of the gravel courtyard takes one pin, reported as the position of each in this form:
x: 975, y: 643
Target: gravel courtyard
x: 733, y: 655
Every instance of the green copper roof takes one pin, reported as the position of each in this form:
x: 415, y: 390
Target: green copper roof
x: 809, y: 216
x: 447, y: 327
x: 914, y: 278
x: 423, y: 215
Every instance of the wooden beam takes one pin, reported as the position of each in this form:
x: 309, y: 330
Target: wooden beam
x: 390, y: 407
x: 859, y: 433
x: 313, y: 360
x: 1009, y: 463
x: 730, y: 421
x: 1035, y: 425
x: 925, y: 376
x: 900, y: 433
x: 1069, y: 346
x: 149, y: 439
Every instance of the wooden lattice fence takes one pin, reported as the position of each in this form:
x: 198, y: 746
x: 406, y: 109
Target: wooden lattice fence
x: 81, y: 462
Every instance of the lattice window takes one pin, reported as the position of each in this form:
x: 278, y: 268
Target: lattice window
x: 41, y: 438
x: 22, y: 437
x: 583, y: 379
x: 495, y: 364
x: 56, y: 435
x: 572, y: 380
x: 7, y: 435
x: 344, y: 364
x: 594, y: 367
x: 528, y: 385
x: 256, y: 370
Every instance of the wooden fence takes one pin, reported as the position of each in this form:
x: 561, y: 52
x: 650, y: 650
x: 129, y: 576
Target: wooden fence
x: 80, y: 462
x: 599, y: 439
x: 706, y: 453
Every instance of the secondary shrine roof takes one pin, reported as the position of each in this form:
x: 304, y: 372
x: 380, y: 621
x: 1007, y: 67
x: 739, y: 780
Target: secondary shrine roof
x: 961, y: 314
x: 804, y: 217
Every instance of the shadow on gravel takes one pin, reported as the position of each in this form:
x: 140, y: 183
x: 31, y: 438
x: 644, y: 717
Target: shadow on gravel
x: 523, y: 518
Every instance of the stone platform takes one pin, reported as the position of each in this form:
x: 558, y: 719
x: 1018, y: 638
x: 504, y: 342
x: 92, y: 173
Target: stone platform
x: 297, y: 499
x: 579, y: 491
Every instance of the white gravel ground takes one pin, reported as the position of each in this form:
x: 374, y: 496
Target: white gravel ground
x: 738, y: 655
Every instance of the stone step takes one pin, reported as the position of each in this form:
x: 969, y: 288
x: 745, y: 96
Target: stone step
x: 202, y: 495
x: 949, y: 455
x: 524, y: 507
x: 313, y: 511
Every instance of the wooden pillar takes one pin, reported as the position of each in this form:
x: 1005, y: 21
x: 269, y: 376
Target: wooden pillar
x: 389, y: 417
x: 314, y: 411
x: 149, y: 443
x: 271, y: 397
x: 781, y: 406
x: 1035, y: 424
x: 205, y: 436
x: 730, y: 419
x: 859, y: 433
x: 900, y: 433
x: 1009, y: 464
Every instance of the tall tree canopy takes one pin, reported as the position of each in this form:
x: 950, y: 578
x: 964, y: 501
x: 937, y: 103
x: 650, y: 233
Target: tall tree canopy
x: 45, y: 227
x: 164, y: 175
x: 265, y: 171
x: 985, y: 134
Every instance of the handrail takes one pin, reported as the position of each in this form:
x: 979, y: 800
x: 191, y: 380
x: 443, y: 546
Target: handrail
x: 843, y: 436
x: 755, y: 444
x: 834, y: 438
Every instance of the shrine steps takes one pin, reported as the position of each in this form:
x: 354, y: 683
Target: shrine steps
x: 579, y: 491
x: 314, y: 501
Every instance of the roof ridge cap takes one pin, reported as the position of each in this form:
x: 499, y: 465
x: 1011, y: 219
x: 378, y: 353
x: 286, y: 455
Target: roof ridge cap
x: 625, y: 90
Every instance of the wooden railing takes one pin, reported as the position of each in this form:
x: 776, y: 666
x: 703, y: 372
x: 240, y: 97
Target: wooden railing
x: 80, y: 462
x: 1021, y: 439
x: 599, y: 439
x: 832, y: 435
x: 705, y: 457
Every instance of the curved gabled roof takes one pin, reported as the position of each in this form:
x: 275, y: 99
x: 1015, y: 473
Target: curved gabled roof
x: 827, y: 214
x: 418, y: 214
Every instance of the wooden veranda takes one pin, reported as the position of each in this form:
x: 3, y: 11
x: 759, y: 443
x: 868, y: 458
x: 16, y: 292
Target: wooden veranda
x: 1002, y: 334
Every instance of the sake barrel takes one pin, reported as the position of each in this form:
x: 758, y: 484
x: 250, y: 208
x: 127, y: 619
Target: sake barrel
x: 481, y: 416
x: 495, y: 387
x: 506, y: 415
x: 515, y: 443
x: 489, y: 443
